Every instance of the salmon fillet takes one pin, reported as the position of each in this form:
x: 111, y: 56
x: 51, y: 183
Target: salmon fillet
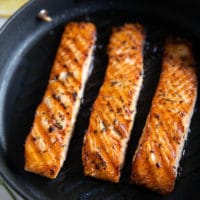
x: 47, y: 143
x: 160, y: 148
x: 113, y: 112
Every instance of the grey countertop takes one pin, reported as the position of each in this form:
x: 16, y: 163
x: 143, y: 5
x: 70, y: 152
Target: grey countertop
x: 2, y: 21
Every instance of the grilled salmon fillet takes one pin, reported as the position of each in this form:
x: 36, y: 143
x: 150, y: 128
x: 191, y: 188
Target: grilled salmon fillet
x: 113, y: 112
x: 47, y: 143
x: 160, y: 147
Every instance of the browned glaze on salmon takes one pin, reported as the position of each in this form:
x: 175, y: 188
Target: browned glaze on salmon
x: 114, y: 109
x: 160, y: 148
x: 47, y: 143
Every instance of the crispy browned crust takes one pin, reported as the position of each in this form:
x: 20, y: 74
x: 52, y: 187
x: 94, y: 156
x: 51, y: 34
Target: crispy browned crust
x: 114, y: 110
x: 160, y: 147
x: 47, y: 143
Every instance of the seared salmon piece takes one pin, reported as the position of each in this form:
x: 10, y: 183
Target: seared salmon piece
x: 114, y: 110
x: 160, y: 147
x: 47, y: 143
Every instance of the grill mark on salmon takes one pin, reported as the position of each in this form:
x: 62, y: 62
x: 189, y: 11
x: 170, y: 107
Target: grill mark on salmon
x: 114, y: 110
x: 47, y: 144
x: 160, y: 147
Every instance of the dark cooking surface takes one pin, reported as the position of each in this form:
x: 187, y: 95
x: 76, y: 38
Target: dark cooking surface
x: 25, y: 79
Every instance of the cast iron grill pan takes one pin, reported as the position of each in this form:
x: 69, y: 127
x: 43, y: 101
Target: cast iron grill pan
x: 25, y: 85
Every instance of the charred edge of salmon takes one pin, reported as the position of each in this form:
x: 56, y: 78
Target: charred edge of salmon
x: 135, y: 177
x: 94, y: 159
x: 52, y: 170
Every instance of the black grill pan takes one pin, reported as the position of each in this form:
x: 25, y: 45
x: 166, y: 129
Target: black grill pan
x: 27, y: 50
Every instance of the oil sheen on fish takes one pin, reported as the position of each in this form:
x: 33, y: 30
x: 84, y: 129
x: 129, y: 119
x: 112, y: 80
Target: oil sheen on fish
x: 114, y: 110
x: 160, y: 148
x: 47, y: 143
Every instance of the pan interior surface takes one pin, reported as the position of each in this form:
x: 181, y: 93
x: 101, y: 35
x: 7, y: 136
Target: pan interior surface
x: 25, y: 80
